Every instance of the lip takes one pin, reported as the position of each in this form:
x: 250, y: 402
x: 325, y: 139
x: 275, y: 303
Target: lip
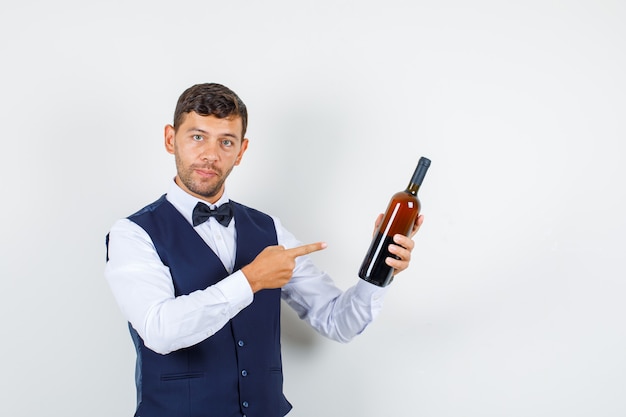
x: 207, y: 173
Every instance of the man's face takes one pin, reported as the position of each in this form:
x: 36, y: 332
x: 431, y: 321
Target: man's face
x: 206, y: 149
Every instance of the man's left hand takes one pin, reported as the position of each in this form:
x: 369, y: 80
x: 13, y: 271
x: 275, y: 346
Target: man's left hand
x: 402, y: 247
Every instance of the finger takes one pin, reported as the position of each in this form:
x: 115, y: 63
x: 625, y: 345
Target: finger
x: 306, y: 249
x: 417, y: 225
x: 401, y: 242
x: 397, y: 265
x: 377, y: 223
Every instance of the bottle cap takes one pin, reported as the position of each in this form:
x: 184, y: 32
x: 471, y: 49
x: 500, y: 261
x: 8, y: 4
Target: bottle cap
x: 420, y: 171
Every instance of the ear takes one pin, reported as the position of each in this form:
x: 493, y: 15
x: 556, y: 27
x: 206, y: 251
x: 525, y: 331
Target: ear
x: 244, y: 146
x: 170, y: 138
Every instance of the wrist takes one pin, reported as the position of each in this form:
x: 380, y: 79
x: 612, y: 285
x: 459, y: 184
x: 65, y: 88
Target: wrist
x: 248, y: 273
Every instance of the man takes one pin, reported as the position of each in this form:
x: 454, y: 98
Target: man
x: 201, y: 290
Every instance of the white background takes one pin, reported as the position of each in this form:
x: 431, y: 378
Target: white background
x: 513, y: 305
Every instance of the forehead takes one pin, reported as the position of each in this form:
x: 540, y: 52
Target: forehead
x: 231, y: 125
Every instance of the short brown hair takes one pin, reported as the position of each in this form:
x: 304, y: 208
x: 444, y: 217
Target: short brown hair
x: 211, y: 99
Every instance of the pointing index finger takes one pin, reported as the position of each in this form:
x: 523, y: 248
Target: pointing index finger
x: 306, y: 249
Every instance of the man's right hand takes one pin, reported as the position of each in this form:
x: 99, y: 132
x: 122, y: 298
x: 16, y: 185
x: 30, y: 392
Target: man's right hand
x: 273, y: 267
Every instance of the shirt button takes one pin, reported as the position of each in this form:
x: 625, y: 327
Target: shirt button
x: 245, y: 404
x: 240, y: 343
x: 244, y: 373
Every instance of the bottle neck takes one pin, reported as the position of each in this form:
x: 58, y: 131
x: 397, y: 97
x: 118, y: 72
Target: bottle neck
x: 418, y: 176
x: 412, y: 188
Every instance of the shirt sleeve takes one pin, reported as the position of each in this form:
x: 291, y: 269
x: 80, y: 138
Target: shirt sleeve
x: 311, y: 292
x: 142, y: 286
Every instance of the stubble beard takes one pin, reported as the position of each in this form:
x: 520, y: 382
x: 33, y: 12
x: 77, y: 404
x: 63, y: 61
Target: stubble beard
x: 205, y: 188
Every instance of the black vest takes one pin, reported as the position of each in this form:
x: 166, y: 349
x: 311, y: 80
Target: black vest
x: 235, y: 372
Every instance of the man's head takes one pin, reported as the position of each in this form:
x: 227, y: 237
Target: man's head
x: 207, y: 139
x: 211, y: 99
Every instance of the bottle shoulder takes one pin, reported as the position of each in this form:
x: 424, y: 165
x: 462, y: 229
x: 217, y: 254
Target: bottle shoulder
x: 405, y: 195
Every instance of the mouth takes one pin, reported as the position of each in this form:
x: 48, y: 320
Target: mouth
x: 206, y: 172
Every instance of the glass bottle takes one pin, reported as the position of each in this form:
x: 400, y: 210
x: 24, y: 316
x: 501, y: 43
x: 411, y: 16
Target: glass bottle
x: 399, y: 218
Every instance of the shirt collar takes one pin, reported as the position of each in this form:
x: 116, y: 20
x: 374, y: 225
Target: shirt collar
x: 185, y: 202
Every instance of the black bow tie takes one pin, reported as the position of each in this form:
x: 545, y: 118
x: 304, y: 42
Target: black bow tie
x: 202, y: 212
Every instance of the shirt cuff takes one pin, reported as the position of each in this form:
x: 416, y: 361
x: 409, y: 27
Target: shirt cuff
x: 236, y: 290
x: 370, y: 292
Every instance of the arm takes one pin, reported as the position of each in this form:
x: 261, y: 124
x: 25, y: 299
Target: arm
x: 143, y: 289
x: 339, y: 315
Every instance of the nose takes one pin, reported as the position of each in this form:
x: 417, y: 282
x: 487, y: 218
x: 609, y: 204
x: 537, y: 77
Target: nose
x: 210, y: 151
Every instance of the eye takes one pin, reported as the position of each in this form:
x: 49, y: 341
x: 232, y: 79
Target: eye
x: 197, y: 138
x: 227, y: 142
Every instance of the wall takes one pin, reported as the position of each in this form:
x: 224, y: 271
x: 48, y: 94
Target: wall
x: 513, y: 303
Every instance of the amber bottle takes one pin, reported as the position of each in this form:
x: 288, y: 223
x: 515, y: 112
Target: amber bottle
x: 399, y: 218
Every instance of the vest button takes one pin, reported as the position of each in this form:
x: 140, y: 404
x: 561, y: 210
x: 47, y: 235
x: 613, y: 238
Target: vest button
x: 245, y: 404
x: 244, y: 373
x: 240, y: 343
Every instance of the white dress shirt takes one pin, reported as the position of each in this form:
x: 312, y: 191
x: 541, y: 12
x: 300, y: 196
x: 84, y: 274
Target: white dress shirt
x: 143, y: 287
